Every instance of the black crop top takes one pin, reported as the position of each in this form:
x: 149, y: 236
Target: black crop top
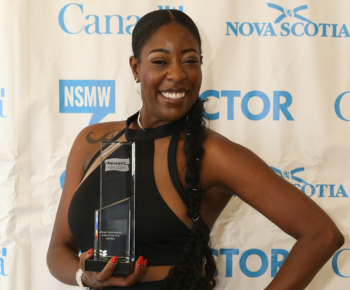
x: 160, y: 235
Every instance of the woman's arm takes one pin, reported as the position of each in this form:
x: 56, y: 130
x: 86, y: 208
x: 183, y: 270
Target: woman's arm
x: 246, y: 175
x: 62, y: 255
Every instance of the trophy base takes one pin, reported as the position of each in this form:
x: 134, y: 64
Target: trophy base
x: 123, y: 267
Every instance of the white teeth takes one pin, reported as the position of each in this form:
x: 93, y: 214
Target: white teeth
x: 173, y: 96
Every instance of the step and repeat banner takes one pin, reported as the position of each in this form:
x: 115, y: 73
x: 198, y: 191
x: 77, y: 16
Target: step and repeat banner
x: 277, y: 76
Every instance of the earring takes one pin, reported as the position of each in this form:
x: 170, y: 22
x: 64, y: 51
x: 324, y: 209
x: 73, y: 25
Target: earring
x: 137, y: 89
x: 138, y: 118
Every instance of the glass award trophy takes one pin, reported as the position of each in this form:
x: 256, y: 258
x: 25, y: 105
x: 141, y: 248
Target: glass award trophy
x: 115, y: 220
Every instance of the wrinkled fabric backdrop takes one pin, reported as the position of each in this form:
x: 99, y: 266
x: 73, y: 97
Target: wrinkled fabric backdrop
x: 277, y: 78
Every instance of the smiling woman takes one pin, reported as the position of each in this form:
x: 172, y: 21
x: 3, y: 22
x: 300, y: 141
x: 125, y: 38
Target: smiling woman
x: 186, y: 174
x: 169, y: 69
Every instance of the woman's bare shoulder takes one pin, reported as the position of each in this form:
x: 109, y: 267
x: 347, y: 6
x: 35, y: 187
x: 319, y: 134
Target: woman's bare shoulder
x: 225, y: 159
x: 101, y: 131
x: 216, y: 143
x: 87, y: 143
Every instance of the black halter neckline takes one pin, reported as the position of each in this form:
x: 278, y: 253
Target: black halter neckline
x: 154, y: 133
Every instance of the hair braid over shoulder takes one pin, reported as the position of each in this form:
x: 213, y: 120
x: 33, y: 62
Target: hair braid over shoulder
x: 195, y: 269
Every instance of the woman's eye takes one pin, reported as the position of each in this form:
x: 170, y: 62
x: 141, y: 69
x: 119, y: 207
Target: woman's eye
x: 158, y: 61
x: 191, y: 60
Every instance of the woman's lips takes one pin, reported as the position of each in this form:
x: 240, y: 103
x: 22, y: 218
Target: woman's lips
x: 174, y: 96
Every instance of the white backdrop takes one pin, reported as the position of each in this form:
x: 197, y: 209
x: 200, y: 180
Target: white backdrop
x: 275, y: 73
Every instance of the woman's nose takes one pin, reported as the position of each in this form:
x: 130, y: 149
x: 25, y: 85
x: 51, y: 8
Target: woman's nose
x: 176, y: 73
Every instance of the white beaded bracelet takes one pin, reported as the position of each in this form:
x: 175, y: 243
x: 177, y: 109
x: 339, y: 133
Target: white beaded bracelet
x: 78, y: 275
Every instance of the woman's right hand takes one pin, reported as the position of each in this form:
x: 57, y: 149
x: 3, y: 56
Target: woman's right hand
x: 105, y: 278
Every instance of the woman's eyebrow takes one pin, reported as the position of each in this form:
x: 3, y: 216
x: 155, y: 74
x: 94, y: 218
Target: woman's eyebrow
x: 188, y: 50
x: 167, y: 51
x: 159, y: 50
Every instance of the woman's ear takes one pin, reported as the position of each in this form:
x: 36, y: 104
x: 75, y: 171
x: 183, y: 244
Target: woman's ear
x: 134, y: 64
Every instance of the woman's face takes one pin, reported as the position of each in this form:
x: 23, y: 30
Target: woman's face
x: 170, y: 74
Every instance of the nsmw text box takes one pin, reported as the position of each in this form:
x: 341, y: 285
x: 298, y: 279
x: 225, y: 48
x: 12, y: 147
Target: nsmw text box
x: 87, y: 96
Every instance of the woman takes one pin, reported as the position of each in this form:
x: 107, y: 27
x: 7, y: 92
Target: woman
x: 188, y: 175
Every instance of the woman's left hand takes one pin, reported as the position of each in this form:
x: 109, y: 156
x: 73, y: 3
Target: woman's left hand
x: 106, y: 278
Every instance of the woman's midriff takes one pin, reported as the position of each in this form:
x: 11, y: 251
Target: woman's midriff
x: 156, y: 273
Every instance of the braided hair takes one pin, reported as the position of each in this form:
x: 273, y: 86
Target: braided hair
x: 196, y: 267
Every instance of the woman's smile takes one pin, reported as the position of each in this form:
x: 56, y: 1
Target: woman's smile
x: 174, y: 95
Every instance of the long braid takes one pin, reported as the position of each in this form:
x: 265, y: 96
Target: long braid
x: 187, y: 272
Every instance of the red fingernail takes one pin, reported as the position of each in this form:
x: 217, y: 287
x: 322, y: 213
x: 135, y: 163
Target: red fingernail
x: 139, y: 264
x: 141, y: 259
x: 89, y: 251
x: 114, y: 260
x: 145, y: 263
